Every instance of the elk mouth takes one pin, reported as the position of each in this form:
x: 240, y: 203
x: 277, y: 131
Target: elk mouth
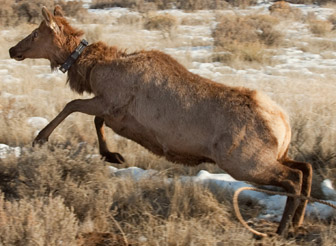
x: 19, y: 57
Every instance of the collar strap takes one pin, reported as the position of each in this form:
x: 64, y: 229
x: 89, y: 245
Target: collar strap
x: 74, y: 56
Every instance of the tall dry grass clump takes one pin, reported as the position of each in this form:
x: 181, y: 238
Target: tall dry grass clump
x: 101, y: 4
x: 320, y: 27
x: 316, y: 148
x: 242, y: 3
x: 37, y: 221
x: 166, y: 23
x: 245, y: 38
x: 284, y: 10
x: 16, y: 12
x: 192, y: 5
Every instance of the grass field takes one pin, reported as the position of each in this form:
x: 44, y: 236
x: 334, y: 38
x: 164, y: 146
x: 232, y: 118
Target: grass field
x: 63, y: 194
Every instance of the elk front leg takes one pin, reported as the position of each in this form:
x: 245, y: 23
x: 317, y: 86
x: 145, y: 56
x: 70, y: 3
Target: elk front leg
x: 103, y: 149
x: 92, y: 106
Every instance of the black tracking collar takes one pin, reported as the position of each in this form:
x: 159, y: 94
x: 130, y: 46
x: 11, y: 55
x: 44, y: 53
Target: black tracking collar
x: 74, y: 56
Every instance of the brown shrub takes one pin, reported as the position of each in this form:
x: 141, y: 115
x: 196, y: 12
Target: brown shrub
x: 6, y: 13
x: 320, y: 27
x: 283, y: 9
x: 200, y: 4
x: 40, y: 221
x: 30, y: 12
x: 242, y: 3
x: 101, y: 4
x: 16, y: 12
x: 195, y: 21
x: 163, y: 22
x: 245, y: 37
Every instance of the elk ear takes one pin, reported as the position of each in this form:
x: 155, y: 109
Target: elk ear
x: 47, y: 15
x: 49, y: 19
x: 58, y: 11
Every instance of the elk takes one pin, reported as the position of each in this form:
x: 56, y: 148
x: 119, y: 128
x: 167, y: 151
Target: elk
x: 148, y: 97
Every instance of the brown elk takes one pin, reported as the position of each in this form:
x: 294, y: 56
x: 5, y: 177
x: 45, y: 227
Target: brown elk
x: 150, y: 98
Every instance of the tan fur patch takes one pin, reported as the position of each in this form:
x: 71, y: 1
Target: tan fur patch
x: 276, y: 120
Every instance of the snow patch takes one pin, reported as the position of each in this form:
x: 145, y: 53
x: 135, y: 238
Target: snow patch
x: 37, y: 122
x: 328, y: 190
x: 6, y: 150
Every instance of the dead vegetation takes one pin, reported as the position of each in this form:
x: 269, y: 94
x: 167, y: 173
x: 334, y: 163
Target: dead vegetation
x: 59, y: 195
x: 320, y: 27
x: 17, y: 12
x: 245, y: 38
x: 283, y: 10
x: 163, y: 22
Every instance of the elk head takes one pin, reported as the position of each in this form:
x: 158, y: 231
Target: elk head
x: 54, y: 40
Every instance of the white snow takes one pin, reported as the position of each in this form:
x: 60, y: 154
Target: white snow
x: 6, y: 150
x: 328, y: 189
x: 37, y: 122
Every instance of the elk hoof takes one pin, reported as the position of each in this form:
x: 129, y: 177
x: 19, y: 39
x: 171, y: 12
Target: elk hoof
x: 113, y: 157
x: 39, y: 142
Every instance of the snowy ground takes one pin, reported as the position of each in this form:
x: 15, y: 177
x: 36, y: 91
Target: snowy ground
x: 290, y: 62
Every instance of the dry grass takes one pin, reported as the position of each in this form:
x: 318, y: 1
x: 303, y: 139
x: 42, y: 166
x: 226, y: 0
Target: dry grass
x: 199, y: 4
x: 101, y: 4
x: 319, y: 46
x: 284, y: 10
x: 320, y: 27
x: 56, y: 194
x: 37, y: 221
x: 163, y: 22
x: 242, y: 3
x: 16, y: 12
x: 245, y: 38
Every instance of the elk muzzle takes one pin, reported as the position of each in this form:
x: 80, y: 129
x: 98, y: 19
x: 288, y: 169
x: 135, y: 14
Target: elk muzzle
x: 13, y: 53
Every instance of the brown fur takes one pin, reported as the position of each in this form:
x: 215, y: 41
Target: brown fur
x: 150, y: 98
x: 79, y: 74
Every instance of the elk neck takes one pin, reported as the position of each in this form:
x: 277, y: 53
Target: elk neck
x: 94, y: 54
x: 74, y: 56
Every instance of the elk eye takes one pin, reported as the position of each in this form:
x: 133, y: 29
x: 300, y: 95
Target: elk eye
x: 35, y: 34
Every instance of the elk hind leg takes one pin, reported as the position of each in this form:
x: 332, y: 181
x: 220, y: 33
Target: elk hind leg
x: 307, y: 172
x: 292, y: 183
x: 112, y: 157
x: 277, y: 174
